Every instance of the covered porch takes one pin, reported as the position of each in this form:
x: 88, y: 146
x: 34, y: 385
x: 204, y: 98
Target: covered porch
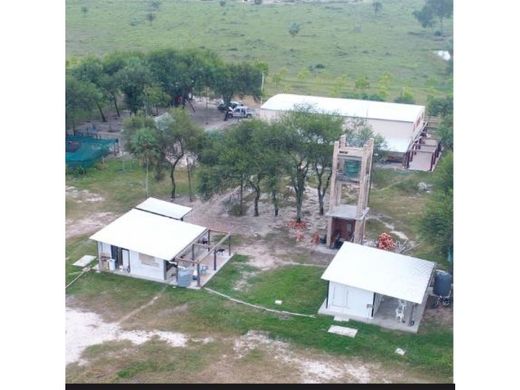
x: 196, y: 265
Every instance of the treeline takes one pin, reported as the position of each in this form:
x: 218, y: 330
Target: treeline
x: 161, y: 78
x: 253, y: 155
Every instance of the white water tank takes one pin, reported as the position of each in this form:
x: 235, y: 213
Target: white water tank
x: 112, y: 264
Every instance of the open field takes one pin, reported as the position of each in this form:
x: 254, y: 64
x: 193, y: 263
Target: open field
x: 336, y: 39
x: 140, y: 331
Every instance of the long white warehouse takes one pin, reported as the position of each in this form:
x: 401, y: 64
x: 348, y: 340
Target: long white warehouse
x: 402, y: 125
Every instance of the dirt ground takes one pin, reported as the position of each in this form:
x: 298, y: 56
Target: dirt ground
x: 204, y: 113
x: 253, y: 357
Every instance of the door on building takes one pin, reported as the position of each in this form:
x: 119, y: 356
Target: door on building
x: 339, y: 296
x: 125, y: 255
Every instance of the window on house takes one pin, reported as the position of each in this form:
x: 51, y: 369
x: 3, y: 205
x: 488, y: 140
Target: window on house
x: 148, y: 260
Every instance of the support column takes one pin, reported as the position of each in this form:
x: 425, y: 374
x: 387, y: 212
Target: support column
x: 214, y: 260
x: 198, y: 275
x: 229, y: 245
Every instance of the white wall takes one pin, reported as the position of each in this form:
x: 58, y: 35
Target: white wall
x: 392, y: 129
x: 350, y: 300
x: 386, y: 128
x: 138, y: 268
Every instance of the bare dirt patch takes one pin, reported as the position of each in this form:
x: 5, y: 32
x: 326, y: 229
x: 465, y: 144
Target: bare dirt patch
x: 439, y: 316
x: 312, y: 366
x: 88, y: 224
x: 87, y: 328
x: 82, y: 196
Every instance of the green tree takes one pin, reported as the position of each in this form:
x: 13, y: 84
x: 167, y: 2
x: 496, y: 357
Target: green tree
x: 443, y: 107
x: 144, y: 146
x: 377, y: 6
x: 80, y: 97
x: 294, y: 29
x: 436, y: 224
x: 362, y: 83
x: 305, y: 134
x: 150, y: 16
x: 358, y: 132
x: 132, y: 79
x: 327, y: 129
x: 405, y: 97
x: 112, y: 64
x: 179, y: 136
x: 91, y: 70
x: 238, y: 79
x: 440, y: 9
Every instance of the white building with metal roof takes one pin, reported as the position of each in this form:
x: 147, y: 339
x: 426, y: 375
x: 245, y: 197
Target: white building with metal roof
x: 402, y: 125
x: 377, y: 286
x: 152, y: 242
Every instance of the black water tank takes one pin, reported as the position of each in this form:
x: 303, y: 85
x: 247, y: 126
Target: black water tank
x: 442, y: 286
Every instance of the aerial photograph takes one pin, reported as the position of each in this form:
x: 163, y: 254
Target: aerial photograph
x: 259, y: 191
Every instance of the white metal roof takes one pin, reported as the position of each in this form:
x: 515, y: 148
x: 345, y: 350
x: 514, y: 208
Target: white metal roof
x: 399, y: 145
x: 150, y: 234
x: 347, y: 107
x: 380, y: 271
x: 162, y: 207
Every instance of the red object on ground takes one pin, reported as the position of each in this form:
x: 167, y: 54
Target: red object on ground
x: 297, y: 225
x: 386, y: 242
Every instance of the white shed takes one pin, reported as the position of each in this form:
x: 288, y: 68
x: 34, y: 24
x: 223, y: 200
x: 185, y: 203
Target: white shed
x: 148, y: 245
x: 400, y: 124
x: 377, y: 286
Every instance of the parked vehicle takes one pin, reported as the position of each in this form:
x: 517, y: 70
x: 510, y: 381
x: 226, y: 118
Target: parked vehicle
x: 222, y: 106
x: 240, y: 112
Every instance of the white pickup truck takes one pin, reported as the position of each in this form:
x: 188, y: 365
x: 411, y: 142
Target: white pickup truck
x: 240, y: 112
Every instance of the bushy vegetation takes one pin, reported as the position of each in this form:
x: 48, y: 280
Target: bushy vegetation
x: 436, y: 224
x: 156, y: 79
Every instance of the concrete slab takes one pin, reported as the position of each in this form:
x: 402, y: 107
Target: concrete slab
x: 84, y: 261
x: 343, y: 331
x: 341, y: 319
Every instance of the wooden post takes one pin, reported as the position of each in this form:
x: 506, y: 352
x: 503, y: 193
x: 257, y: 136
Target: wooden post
x: 193, y: 252
x: 229, y: 245
x: 214, y: 260
x: 209, y: 239
x: 198, y: 274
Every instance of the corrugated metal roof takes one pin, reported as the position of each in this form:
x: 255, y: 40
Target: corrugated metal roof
x: 150, y: 234
x: 347, y: 107
x: 162, y: 207
x: 380, y: 271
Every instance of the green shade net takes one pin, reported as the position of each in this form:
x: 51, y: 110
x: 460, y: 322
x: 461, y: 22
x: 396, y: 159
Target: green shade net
x: 84, y: 152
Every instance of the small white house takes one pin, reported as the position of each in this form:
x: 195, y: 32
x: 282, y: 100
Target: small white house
x: 402, y: 125
x: 377, y: 286
x: 152, y: 242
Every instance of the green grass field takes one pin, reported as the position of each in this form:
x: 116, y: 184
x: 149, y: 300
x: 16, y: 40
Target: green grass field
x: 346, y: 40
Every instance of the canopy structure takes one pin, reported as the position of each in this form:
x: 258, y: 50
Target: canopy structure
x: 150, y: 234
x: 380, y: 271
x: 346, y: 107
x: 166, y: 209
